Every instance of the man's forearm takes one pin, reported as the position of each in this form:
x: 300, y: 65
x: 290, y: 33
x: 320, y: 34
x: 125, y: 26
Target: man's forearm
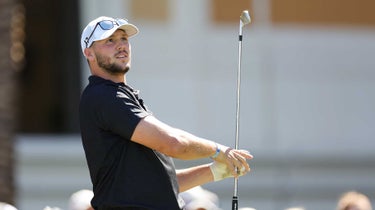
x: 194, y: 176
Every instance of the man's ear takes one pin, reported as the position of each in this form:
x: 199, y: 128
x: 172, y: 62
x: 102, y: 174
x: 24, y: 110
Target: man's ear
x: 88, y: 53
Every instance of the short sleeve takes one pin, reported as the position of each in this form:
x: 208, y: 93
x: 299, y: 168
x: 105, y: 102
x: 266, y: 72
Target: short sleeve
x: 121, y: 112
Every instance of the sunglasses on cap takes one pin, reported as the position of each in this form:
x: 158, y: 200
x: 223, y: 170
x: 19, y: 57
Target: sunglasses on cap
x: 105, y: 25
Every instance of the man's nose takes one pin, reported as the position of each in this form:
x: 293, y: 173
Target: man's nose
x: 122, y: 45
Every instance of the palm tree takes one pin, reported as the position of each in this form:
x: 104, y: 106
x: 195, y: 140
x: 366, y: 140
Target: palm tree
x: 11, y: 58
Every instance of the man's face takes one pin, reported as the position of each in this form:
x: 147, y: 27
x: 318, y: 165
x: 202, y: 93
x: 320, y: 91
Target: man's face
x: 114, y: 53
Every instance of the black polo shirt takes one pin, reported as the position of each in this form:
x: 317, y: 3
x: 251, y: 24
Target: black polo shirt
x: 123, y: 173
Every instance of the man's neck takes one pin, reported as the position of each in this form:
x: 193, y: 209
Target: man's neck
x: 114, y: 78
x: 117, y: 78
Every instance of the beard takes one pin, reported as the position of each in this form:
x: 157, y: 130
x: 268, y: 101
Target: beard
x: 111, y: 67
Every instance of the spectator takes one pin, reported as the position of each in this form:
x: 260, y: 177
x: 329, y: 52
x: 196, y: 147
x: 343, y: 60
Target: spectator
x: 6, y: 206
x: 198, y: 198
x: 81, y: 200
x: 295, y: 208
x: 51, y: 208
x: 353, y: 200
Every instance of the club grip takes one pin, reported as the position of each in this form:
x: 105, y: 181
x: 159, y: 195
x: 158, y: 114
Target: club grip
x: 235, y: 203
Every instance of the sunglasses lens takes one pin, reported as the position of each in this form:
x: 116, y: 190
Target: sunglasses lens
x: 106, y: 24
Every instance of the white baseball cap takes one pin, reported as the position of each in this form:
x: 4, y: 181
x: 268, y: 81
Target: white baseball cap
x: 103, y: 27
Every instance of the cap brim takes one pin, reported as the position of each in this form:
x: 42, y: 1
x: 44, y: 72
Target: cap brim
x: 130, y: 29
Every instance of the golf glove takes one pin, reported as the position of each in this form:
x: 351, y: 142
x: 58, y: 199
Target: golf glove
x: 221, y: 171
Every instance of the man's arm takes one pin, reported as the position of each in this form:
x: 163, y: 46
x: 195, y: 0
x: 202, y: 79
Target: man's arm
x: 202, y: 174
x: 176, y: 143
x: 173, y: 142
x: 194, y: 176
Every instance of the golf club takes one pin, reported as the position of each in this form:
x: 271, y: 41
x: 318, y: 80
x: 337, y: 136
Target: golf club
x: 244, y: 19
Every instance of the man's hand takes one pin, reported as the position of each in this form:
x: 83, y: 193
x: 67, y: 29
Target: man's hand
x: 234, y: 159
x: 221, y: 170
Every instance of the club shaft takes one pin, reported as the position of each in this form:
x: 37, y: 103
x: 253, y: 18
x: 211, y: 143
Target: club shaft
x: 238, y: 102
x: 238, y: 91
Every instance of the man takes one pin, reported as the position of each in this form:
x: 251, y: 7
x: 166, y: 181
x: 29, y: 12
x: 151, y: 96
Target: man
x: 129, y: 152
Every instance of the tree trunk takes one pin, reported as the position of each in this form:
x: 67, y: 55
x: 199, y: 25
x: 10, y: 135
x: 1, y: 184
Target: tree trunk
x: 11, y: 59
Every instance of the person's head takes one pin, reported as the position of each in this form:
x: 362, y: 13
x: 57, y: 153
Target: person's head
x: 81, y: 200
x: 105, y: 45
x: 51, y: 208
x: 198, y: 198
x: 353, y: 200
x: 6, y: 206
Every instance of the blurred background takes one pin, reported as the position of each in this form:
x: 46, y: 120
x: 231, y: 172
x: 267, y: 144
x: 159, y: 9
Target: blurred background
x: 307, y: 95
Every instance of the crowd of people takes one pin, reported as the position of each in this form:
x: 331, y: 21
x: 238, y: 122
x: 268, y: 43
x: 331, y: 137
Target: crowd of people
x: 199, y: 198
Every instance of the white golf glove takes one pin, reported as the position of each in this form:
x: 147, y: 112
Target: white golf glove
x: 221, y: 171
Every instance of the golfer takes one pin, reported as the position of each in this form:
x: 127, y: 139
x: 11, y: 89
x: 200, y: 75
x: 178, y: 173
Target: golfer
x: 128, y: 151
